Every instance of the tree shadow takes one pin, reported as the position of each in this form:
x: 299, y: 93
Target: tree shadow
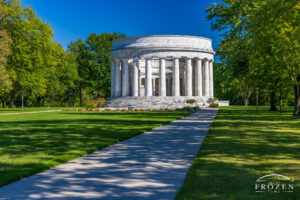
x: 148, y: 166
x: 240, y: 147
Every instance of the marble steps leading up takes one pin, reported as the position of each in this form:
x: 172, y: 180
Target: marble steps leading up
x: 157, y: 102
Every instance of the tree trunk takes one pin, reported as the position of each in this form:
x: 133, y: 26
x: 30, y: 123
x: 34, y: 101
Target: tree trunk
x: 280, y: 99
x: 256, y: 99
x: 3, y: 104
x: 297, y: 101
x: 43, y: 102
x: 246, y: 101
x: 12, y: 102
x: 69, y: 93
x: 74, y: 98
x: 80, y: 97
x: 22, y: 101
x: 273, y: 101
x: 39, y: 101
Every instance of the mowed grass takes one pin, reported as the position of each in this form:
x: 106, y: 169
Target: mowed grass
x: 31, y: 143
x: 241, y: 146
x: 29, y: 109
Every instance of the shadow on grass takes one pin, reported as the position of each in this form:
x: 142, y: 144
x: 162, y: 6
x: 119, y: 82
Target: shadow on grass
x: 241, y: 146
x: 148, y: 166
x: 30, y: 144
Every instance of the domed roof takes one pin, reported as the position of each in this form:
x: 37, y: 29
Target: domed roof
x: 163, y: 42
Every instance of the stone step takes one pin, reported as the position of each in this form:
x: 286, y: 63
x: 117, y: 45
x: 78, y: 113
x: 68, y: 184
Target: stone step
x: 169, y: 102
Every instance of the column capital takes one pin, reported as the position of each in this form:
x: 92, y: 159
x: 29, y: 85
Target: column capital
x: 135, y: 60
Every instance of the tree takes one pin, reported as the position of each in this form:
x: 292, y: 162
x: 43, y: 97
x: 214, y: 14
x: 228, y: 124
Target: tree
x: 26, y: 63
x: 271, y: 31
x: 274, y: 26
x: 93, y: 63
x: 5, y: 42
x: 235, y: 55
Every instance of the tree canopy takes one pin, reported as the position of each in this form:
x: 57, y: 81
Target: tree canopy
x: 260, y: 44
x: 35, y: 70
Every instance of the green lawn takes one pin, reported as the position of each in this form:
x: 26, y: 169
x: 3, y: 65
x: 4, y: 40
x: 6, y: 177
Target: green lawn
x: 31, y: 143
x: 242, y: 145
x: 30, y: 109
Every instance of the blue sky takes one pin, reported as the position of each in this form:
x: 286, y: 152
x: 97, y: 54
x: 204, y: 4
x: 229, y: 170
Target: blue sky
x: 73, y: 19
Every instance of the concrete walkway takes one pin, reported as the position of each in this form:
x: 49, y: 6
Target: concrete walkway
x: 30, y: 112
x: 152, y: 166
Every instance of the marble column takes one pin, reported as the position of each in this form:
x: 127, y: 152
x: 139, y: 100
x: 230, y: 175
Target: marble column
x: 135, y: 78
x: 211, y: 79
x: 162, y: 77
x: 148, y: 80
x: 125, y: 78
x: 176, y: 83
x: 153, y: 86
x: 189, y: 77
x: 198, y: 77
x: 139, y: 80
x: 206, y: 78
x: 118, y: 78
x: 112, y: 79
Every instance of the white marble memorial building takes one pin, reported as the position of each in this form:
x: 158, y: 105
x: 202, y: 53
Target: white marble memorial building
x: 161, y: 71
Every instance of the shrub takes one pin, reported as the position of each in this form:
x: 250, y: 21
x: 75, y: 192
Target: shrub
x: 187, y: 108
x: 107, y: 109
x: 214, y: 105
x: 191, y: 101
x: 211, y: 100
x: 95, y: 103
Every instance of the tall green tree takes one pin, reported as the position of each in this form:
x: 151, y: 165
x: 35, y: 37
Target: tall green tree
x: 5, y: 41
x: 274, y: 28
x: 93, y: 63
x: 271, y: 31
x: 26, y: 62
x: 234, y: 54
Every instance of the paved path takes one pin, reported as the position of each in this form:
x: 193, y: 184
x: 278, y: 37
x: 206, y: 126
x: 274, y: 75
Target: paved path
x: 152, y: 166
x: 30, y: 112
